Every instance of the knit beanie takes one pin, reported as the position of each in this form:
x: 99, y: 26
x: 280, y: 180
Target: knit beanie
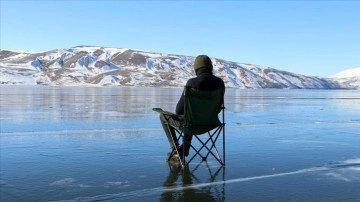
x: 203, y: 61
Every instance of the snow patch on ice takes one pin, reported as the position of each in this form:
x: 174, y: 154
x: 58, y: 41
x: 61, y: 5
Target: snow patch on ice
x: 118, y: 184
x: 349, y: 171
x: 352, y: 161
x: 63, y: 182
x: 69, y: 182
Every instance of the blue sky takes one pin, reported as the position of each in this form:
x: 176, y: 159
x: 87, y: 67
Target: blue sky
x: 317, y: 38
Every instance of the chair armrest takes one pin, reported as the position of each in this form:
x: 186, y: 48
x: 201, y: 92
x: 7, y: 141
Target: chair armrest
x: 161, y: 111
x: 175, y: 116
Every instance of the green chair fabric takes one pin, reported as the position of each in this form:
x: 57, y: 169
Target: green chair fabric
x: 201, y: 110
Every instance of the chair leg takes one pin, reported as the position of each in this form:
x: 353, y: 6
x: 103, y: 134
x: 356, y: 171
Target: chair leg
x: 212, y: 138
x: 210, y: 149
x: 176, y: 150
x: 213, y: 145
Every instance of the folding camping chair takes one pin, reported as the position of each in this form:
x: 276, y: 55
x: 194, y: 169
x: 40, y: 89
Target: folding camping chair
x: 201, y: 116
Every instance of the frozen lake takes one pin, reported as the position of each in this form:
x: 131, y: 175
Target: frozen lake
x: 106, y: 144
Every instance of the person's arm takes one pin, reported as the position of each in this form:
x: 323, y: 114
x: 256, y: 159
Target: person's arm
x: 181, y: 102
x: 180, y: 105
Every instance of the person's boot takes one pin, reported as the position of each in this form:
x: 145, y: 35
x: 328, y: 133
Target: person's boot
x: 187, y: 148
x: 181, y: 150
x: 174, y: 157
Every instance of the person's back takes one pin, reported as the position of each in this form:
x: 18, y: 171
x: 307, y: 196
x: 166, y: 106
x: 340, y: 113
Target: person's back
x: 204, y: 80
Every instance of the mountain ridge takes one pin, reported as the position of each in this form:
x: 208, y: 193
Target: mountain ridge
x: 107, y: 66
x: 349, y: 77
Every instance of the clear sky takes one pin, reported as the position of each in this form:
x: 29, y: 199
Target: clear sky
x: 318, y: 38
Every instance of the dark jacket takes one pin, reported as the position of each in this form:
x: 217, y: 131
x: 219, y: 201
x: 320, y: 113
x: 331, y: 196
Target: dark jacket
x: 203, y: 81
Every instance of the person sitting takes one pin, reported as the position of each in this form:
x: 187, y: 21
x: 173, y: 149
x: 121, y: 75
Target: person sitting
x: 204, y: 80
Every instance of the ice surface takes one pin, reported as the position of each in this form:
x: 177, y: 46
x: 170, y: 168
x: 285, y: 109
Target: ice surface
x: 106, y: 144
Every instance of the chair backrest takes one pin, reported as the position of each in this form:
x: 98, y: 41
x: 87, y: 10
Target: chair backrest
x: 201, y: 109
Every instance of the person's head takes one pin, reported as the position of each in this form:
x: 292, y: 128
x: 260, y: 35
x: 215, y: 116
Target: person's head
x: 203, y: 64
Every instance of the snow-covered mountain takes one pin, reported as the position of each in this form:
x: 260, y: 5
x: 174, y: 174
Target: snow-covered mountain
x: 100, y: 66
x: 349, y: 77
